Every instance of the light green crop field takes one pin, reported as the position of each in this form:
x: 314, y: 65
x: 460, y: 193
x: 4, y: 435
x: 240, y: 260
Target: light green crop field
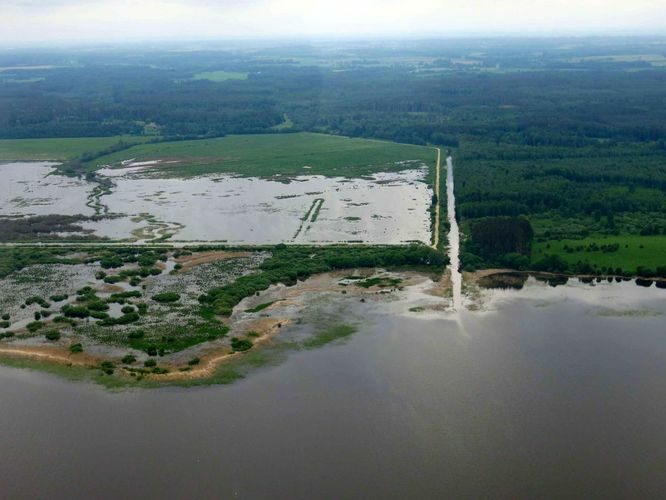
x: 58, y: 149
x: 220, y: 76
x: 269, y: 154
x: 634, y: 251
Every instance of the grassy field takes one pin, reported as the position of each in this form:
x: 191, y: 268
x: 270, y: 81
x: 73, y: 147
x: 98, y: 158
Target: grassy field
x: 269, y: 154
x: 57, y: 149
x: 220, y: 76
x: 634, y: 251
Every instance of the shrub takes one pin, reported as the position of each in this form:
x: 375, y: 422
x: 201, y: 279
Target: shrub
x: 121, y: 296
x: 37, y: 300
x: 149, y: 363
x: 166, y: 297
x: 107, y: 367
x: 58, y: 297
x: 113, y: 279
x: 62, y: 319
x: 52, y: 335
x: 98, y: 305
x: 75, y: 348
x: 241, y: 344
x: 136, y: 334
x: 111, y: 262
x: 127, y: 309
x: 37, y: 315
x: 142, y: 307
x: 99, y: 314
x: 194, y: 361
x: 125, y: 319
x: 4, y: 324
x: 34, y: 326
x: 6, y: 317
x: 129, y: 359
x: 71, y: 311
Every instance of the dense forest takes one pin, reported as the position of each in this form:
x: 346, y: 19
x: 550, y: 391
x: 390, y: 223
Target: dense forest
x: 419, y: 93
x: 568, y: 134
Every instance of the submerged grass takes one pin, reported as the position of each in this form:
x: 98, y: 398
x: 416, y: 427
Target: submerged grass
x: 321, y: 339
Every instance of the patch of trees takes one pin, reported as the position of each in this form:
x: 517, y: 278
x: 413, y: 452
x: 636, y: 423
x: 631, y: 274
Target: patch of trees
x: 290, y: 264
x: 502, y: 235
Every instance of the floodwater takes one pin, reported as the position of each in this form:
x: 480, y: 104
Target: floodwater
x: 28, y: 189
x: 548, y: 392
x: 385, y: 208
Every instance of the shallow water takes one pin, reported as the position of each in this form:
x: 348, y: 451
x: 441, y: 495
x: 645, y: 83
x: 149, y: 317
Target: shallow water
x: 28, y: 189
x: 549, y: 392
x: 390, y: 208
x: 385, y: 208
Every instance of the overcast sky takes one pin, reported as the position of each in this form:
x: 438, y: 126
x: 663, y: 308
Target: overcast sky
x: 118, y: 20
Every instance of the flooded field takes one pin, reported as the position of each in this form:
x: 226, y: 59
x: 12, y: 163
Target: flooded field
x: 543, y: 392
x: 384, y: 208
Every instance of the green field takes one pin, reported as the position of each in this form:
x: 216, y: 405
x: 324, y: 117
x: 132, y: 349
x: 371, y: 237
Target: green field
x: 646, y: 251
x: 270, y: 154
x: 220, y: 76
x: 58, y: 149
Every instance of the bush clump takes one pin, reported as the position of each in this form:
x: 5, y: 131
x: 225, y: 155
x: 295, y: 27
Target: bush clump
x: 71, y: 311
x: 52, y: 335
x: 149, y: 363
x: 129, y: 359
x: 166, y: 297
x: 34, y: 326
x: 76, y: 348
x: 241, y: 344
x: 125, y: 319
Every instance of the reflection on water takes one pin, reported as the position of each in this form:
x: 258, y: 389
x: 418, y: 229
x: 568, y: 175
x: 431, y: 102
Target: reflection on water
x: 549, y: 392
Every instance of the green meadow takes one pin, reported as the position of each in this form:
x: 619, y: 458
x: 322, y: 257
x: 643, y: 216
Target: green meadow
x: 220, y: 76
x: 60, y: 149
x: 634, y: 251
x: 269, y: 154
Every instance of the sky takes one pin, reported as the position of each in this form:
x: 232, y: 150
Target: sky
x: 29, y: 21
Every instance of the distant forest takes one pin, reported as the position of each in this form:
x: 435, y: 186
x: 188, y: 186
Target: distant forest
x: 533, y: 93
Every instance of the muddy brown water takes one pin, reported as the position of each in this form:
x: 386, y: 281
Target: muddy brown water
x: 547, y: 392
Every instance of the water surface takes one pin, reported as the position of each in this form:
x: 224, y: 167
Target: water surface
x: 547, y: 392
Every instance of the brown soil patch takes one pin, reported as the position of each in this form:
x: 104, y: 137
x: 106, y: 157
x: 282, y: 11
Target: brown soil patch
x: 189, y: 261
x: 51, y: 354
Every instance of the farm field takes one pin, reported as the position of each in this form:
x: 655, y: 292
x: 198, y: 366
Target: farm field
x: 58, y: 149
x: 268, y: 155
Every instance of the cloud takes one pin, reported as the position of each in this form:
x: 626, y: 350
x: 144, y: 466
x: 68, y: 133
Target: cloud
x: 33, y: 20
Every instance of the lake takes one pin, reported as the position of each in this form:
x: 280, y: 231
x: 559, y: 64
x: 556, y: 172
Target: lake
x: 542, y: 392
